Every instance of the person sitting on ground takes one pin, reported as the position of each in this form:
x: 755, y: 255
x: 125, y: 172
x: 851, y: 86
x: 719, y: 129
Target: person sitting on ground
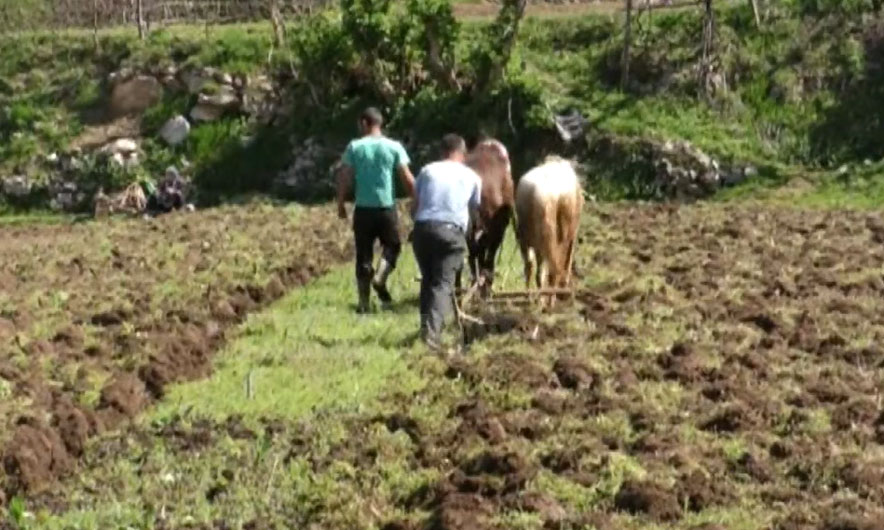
x: 447, y: 196
x: 169, y: 195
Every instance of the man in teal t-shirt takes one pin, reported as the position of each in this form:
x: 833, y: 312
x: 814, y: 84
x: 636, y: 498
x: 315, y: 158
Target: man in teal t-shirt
x: 369, y: 164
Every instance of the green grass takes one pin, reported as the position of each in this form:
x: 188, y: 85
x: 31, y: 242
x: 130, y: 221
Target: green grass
x: 310, y: 351
x: 14, y: 217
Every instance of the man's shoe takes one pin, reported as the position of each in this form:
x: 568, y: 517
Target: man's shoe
x: 429, y: 339
x: 364, y: 288
x: 382, y: 292
x: 379, y: 282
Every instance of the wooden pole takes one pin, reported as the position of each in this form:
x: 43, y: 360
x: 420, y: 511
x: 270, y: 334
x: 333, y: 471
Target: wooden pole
x: 708, y: 47
x: 277, y: 23
x: 756, y: 13
x: 549, y: 291
x: 95, y: 24
x: 627, y: 44
x: 139, y: 17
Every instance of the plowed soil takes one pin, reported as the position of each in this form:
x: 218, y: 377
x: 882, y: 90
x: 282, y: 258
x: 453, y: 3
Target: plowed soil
x: 724, y: 370
x: 96, y: 319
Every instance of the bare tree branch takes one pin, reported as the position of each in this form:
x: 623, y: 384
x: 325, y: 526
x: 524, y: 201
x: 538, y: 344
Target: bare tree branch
x: 756, y: 13
x: 627, y: 45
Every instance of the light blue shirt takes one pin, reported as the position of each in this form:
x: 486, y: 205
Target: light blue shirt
x: 446, y: 191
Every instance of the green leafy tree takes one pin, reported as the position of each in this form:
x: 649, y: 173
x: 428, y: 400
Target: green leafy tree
x: 438, y: 36
x: 492, y: 56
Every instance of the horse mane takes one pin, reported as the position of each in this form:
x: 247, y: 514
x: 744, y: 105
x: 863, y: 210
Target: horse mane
x: 493, y: 147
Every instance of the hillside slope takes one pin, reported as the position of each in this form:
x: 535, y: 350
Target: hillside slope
x: 796, y: 97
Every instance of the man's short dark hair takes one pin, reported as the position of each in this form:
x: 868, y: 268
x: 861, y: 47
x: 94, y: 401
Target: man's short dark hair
x: 452, y: 143
x: 372, y: 117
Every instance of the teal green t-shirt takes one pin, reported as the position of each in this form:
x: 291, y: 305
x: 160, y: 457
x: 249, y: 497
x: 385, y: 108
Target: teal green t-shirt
x: 374, y: 160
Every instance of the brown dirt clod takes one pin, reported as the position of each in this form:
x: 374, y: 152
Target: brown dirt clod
x: 125, y: 394
x: 647, y: 498
x: 35, y: 456
x: 573, y: 373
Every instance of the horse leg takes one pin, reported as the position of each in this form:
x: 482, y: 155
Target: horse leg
x: 529, y: 261
x: 472, y: 259
x: 494, y: 243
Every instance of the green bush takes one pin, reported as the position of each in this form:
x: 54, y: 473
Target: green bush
x: 842, y: 7
x: 322, y: 55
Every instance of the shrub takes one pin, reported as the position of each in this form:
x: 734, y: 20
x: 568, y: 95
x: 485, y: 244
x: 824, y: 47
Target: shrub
x: 842, y: 7
x: 322, y: 54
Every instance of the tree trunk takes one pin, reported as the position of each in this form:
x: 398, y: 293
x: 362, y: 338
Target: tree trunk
x: 706, y: 66
x: 95, y: 24
x: 442, y: 70
x: 756, y: 13
x: 508, y: 19
x: 627, y: 45
x: 139, y: 17
x: 278, y: 24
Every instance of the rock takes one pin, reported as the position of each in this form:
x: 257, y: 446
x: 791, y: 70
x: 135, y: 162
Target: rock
x: 685, y: 171
x: 71, y: 162
x: 135, y: 96
x: 176, y: 130
x: 123, y: 152
x: 125, y: 161
x: 260, y: 83
x: 52, y: 158
x: 193, y: 81
x: 17, y: 186
x: 120, y: 145
x: 223, y: 78
x: 225, y: 98
x: 123, y: 74
x: 212, y: 107
x: 750, y: 172
x: 710, y: 179
x: 169, y: 71
x: 65, y: 196
x: 204, y: 113
x: 172, y: 83
x: 260, y: 100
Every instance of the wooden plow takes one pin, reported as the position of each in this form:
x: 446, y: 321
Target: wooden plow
x: 462, y: 298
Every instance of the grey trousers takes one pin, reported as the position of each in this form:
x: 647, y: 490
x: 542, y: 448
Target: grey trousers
x: 439, y: 249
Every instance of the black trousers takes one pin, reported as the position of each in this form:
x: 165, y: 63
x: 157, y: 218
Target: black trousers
x: 439, y: 249
x: 369, y: 225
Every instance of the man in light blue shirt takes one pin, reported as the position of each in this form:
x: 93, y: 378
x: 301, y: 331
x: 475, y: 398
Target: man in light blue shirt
x: 447, y: 194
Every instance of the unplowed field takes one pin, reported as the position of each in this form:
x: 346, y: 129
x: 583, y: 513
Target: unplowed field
x: 97, y: 318
x: 724, y: 370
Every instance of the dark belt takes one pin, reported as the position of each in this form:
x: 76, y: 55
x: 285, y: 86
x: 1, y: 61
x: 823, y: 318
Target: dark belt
x: 445, y: 224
